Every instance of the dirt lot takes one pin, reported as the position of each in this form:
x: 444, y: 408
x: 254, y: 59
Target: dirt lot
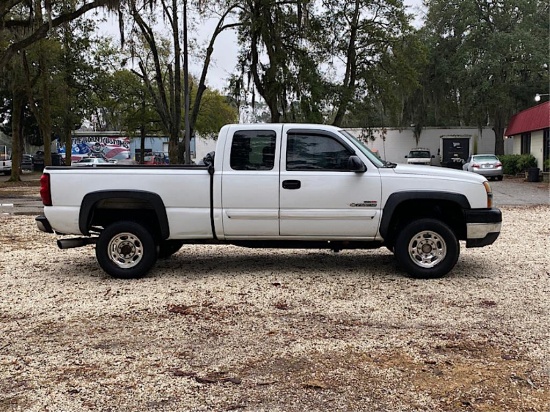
x: 229, y: 329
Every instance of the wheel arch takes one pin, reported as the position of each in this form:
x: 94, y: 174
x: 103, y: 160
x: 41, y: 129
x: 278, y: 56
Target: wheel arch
x: 138, y: 203
x: 405, y: 206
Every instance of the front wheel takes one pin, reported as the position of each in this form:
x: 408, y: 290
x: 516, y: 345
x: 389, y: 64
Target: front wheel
x: 126, y: 250
x: 427, y: 248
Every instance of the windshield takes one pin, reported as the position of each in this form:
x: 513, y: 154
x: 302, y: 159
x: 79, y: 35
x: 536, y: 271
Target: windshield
x: 422, y: 154
x: 364, y: 149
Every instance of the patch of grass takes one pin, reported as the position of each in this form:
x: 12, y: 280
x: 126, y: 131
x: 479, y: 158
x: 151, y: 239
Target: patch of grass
x: 28, y: 180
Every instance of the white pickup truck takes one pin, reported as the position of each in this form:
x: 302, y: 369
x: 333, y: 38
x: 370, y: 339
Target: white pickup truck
x: 275, y: 186
x: 5, y: 164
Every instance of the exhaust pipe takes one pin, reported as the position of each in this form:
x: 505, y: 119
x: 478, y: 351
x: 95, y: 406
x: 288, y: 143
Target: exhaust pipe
x: 75, y: 242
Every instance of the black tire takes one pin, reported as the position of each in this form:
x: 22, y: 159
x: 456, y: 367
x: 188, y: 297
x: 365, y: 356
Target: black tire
x: 499, y: 178
x: 427, y: 249
x: 167, y: 248
x: 126, y: 250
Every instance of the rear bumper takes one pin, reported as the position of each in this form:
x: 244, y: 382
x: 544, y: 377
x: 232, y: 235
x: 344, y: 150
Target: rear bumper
x: 488, y: 172
x: 43, y: 224
x: 482, y: 226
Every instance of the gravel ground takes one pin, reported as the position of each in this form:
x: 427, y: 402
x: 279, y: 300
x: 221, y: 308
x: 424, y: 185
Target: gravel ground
x: 229, y: 329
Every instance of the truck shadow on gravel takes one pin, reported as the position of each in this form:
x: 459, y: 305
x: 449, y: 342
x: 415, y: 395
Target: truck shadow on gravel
x: 229, y: 261
x: 192, y: 264
x: 379, y: 264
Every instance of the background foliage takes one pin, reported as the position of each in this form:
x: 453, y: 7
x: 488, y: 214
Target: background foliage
x: 354, y: 63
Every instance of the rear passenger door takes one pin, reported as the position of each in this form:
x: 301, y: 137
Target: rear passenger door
x: 250, y: 182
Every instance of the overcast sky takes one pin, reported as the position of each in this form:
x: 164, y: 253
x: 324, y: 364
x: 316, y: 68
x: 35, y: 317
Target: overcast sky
x: 225, y: 48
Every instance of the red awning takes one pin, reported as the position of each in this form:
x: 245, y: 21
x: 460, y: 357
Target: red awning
x: 530, y: 120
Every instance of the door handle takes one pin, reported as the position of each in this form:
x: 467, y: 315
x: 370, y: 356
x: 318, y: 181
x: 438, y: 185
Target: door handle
x: 291, y: 184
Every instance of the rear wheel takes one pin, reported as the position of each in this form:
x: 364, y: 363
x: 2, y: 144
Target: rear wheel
x: 126, y: 250
x: 427, y: 248
x: 499, y: 178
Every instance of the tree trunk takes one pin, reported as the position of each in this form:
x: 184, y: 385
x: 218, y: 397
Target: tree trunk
x: 45, y: 114
x: 17, y: 128
x: 41, y: 112
x: 142, y: 145
x: 142, y: 133
x: 498, y: 128
x: 201, y: 88
x: 350, y: 77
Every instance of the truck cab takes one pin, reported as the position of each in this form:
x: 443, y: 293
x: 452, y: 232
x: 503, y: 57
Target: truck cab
x: 294, y: 181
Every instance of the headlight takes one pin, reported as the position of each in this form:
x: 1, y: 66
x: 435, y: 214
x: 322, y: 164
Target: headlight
x: 489, y: 194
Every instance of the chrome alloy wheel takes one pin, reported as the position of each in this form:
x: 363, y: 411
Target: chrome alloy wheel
x: 427, y: 249
x: 125, y: 250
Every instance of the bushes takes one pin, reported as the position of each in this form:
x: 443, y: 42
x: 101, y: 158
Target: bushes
x: 515, y: 163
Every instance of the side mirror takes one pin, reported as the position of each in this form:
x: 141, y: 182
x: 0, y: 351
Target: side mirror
x: 406, y: 157
x: 356, y: 165
x: 433, y: 156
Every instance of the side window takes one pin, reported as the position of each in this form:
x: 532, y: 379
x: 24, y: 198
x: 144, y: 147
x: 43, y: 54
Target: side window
x: 315, y: 152
x: 526, y: 143
x: 253, y: 150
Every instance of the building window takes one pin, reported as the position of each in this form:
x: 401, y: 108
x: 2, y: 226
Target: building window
x: 546, y: 150
x: 526, y: 143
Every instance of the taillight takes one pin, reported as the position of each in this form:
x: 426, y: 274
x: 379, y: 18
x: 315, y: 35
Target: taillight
x: 476, y: 165
x: 45, y: 192
x: 498, y: 164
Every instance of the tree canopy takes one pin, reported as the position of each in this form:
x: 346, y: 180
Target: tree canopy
x: 487, y: 60
x: 356, y: 63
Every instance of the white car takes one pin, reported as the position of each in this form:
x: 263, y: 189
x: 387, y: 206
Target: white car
x: 91, y: 161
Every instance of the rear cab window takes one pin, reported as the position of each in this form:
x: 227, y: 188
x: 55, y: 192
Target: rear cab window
x: 253, y: 150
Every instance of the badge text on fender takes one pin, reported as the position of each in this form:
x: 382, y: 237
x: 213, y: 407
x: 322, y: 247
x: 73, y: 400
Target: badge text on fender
x: 366, y: 203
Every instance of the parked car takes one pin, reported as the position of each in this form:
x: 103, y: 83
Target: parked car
x: 26, y: 162
x: 126, y: 162
x: 486, y: 165
x: 91, y: 161
x: 38, y: 160
x: 419, y: 156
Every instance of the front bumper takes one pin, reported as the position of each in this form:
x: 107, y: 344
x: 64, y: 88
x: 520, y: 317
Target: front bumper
x: 482, y: 226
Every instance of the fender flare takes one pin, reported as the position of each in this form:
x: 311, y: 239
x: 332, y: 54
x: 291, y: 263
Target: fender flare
x: 395, y: 199
x: 91, y: 199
